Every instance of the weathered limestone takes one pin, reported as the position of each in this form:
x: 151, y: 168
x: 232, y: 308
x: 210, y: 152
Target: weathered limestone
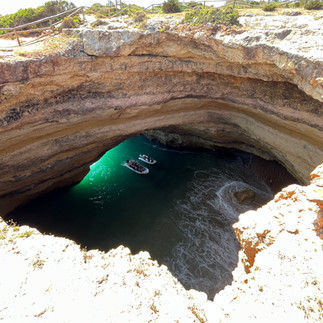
x: 246, y: 90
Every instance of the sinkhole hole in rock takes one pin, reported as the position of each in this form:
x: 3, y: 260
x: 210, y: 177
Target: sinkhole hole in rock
x: 181, y: 212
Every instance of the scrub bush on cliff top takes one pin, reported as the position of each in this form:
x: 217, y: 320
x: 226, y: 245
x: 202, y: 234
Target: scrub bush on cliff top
x: 171, y: 6
x: 270, y: 6
x: 24, y: 16
x: 314, y: 5
x: 226, y: 16
x: 68, y: 22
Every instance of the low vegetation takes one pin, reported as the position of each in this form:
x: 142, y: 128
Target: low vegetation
x: 99, y: 22
x: 11, y: 230
x: 51, y: 46
x: 314, y: 5
x: 171, y: 6
x: 24, y: 16
x: 101, y: 11
x: 225, y: 16
x: 69, y: 22
x: 270, y: 6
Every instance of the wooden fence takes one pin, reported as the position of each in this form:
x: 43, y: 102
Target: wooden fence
x: 72, y: 12
x: 15, y: 31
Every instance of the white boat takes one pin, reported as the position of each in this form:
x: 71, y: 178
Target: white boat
x: 147, y: 159
x: 136, y: 167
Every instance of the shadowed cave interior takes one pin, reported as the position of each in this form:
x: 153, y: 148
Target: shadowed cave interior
x: 181, y: 212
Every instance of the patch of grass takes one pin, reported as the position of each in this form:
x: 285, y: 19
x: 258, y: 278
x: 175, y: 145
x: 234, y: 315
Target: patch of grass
x: 99, y: 22
x: 314, y: 5
x: 171, y: 6
x: 270, y: 6
x: 139, y: 17
x: 226, y: 16
x: 21, y: 52
x: 140, y: 271
x: 53, y: 45
x: 26, y: 234
x: 153, y: 308
x: 68, y: 22
x: 157, y: 293
x: 38, y: 263
x: 3, y: 232
x: 198, y: 313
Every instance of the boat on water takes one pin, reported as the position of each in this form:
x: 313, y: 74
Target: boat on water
x: 147, y: 159
x: 136, y: 167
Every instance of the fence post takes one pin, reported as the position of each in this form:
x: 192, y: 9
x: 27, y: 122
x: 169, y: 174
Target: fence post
x: 17, y: 37
x: 83, y: 14
x: 51, y: 25
x: 204, y: 5
x: 234, y: 3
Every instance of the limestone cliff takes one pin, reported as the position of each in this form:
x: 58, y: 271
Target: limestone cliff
x: 243, y: 88
x: 254, y: 90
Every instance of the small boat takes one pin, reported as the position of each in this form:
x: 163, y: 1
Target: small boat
x: 136, y: 167
x: 147, y: 159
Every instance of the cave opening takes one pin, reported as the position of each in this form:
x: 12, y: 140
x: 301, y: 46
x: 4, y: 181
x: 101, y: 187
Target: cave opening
x: 182, y: 212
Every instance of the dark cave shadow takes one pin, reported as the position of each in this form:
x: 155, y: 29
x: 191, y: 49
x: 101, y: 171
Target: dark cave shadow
x: 91, y: 234
x: 204, y: 261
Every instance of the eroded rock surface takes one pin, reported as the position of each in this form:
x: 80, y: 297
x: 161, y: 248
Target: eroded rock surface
x: 279, y: 275
x: 259, y: 92
x: 51, y: 279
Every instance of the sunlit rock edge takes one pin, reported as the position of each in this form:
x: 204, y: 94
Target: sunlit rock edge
x: 278, y: 277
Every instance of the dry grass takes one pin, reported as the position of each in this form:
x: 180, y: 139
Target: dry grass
x: 50, y: 46
x: 279, y: 11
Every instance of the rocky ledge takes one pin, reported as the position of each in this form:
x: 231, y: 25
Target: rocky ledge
x: 278, y: 278
x: 257, y: 88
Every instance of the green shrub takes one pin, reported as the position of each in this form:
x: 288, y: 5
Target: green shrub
x: 24, y: 16
x: 68, y: 22
x: 294, y: 5
x: 270, y: 6
x: 99, y: 22
x: 226, y: 16
x: 314, y: 5
x: 77, y: 20
x: 171, y: 6
x: 192, y: 4
x: 139, y: 17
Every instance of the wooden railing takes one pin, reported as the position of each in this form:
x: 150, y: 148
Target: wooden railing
x: 21, y: 29
x: 72, y: 12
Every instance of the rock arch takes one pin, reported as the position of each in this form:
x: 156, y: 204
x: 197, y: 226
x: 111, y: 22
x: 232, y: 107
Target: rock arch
x: 60, y: 113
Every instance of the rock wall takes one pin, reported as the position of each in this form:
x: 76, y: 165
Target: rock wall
x: 238, y: 88
x: 279, y: 276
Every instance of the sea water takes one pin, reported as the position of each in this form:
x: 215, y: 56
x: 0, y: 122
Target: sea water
x: 181, y: 212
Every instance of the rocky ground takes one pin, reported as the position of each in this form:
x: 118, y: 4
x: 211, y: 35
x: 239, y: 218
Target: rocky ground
x: 279, y: 276
x: 50, y: 279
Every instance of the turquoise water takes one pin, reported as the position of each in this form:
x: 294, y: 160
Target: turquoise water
x: 181, y: 212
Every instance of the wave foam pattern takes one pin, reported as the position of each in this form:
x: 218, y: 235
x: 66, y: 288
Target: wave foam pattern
x: 208, y: 252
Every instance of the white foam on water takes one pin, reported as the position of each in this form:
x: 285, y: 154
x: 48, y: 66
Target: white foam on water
x: 208, y: 252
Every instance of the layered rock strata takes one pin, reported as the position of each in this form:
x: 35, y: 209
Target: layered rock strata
x: 238, y: 88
